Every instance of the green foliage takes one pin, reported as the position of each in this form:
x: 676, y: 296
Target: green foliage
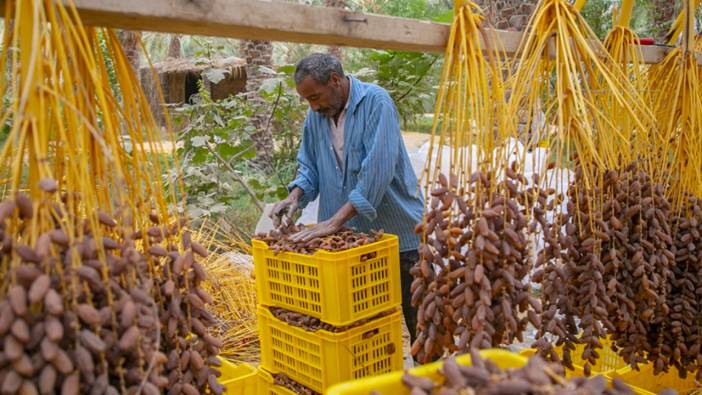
x: 409, y: 78
x: 423, y: 124
x: 109, y: 65
x: 156, y: 45
x: 598, y: 14
x: 418, y: 9
x: 642, y: 18
x: 217, y: 150
x: 4, y: 132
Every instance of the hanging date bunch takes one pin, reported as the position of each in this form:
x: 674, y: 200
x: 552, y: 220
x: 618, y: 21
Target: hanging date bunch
x: 101, y: 288
x: 682, y: 328
x: 470, y: 282
x: 469, y: 285
x: 625, y: 262
x: 610, y: 268
x: 63, y: 323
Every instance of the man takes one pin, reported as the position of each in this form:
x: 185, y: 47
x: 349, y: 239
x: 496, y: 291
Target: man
x: 352, y: 155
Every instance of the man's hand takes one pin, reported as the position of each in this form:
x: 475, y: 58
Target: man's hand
x: 328, y: 227
x: 286, y: 209
x: 322, y: 229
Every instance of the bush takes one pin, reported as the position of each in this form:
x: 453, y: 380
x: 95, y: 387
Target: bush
x: 217, y: 151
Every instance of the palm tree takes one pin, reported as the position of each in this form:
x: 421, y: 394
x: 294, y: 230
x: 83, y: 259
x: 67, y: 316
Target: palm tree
x: 663, y: 14
x: 130, y: 44
x: 334, y: 50
x: 174, y: 50
x: 258, y: 54
x: 508, y: 14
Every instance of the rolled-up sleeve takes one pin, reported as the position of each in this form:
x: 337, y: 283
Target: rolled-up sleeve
x: 307, y: 176
x: 378, y: 167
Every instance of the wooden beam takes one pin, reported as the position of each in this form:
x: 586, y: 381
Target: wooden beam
x: 267, y: 20
x: 287, y: 22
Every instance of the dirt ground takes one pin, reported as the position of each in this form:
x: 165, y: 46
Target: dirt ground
x: 414, y: 140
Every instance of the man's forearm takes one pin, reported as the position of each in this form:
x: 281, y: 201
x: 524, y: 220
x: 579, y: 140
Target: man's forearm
x: 296, y: 193
x: 345, y: 213
x: 328, y: 227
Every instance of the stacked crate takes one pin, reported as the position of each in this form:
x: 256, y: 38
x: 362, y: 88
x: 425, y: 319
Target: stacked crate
x: 340, y: 289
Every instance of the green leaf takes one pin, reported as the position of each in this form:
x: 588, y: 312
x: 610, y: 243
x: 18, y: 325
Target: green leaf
x: 235, y: 123
x: 200, y: 156
x: 227, y: 151
x: 250, y: 153
x: 255, y: 184
x: 281, y: 193
x: 287, y: 69
x: 221, y: 132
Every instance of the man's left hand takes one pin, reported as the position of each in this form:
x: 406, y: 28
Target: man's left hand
x: 328, y: 227
x: 322, y: 229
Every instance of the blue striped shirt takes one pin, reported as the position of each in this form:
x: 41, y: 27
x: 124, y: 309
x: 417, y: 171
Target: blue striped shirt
x: 377, y: 176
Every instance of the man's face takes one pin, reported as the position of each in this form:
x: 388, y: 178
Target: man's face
x: 326, y: 99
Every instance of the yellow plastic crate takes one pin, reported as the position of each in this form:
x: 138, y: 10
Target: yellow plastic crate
x: 320, y: 359
x: 391, y: 383
x: 267, y: 387
x: 643, y: 381
x: 608, y: 362
x: 339, y: 288
x: 239, y: 379
x: 649, y: 384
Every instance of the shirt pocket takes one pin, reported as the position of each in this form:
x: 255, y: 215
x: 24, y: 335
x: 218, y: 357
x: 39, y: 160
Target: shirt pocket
x: 355, y: 159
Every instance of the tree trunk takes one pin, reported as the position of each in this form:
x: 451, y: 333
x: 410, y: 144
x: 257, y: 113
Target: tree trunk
x: 663, y: 15
x: 174, y: 47
x: 258, y: 53
x: 334, y: 50
x: 130, y: 44
x: 508, y: 14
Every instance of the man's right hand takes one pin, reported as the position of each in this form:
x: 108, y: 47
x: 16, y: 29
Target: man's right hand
x: 286, y: 209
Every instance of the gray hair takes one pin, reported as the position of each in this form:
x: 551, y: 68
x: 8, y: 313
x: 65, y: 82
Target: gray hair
x: 319, y: 66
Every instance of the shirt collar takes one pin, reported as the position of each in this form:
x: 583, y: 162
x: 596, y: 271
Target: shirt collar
x: 357, y: 91
x: 348, y: 99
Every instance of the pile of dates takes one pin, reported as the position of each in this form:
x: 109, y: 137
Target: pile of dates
x: 279, y: 240
x: 111, y: 311
x: 312, y: 324
x: 483, y: 377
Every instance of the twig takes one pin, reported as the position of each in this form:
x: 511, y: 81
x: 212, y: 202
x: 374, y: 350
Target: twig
x: 269, y: 158
x: 275, y: 106
x: 242, y: 153
x: 236, y: 176
x: 418, y: 80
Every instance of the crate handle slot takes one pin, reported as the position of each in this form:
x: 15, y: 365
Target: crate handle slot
x: 390, y: 349
x: 368, y: 256
x: 370, y: 333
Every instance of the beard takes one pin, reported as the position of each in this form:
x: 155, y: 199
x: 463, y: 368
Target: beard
x: 333, y: 109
